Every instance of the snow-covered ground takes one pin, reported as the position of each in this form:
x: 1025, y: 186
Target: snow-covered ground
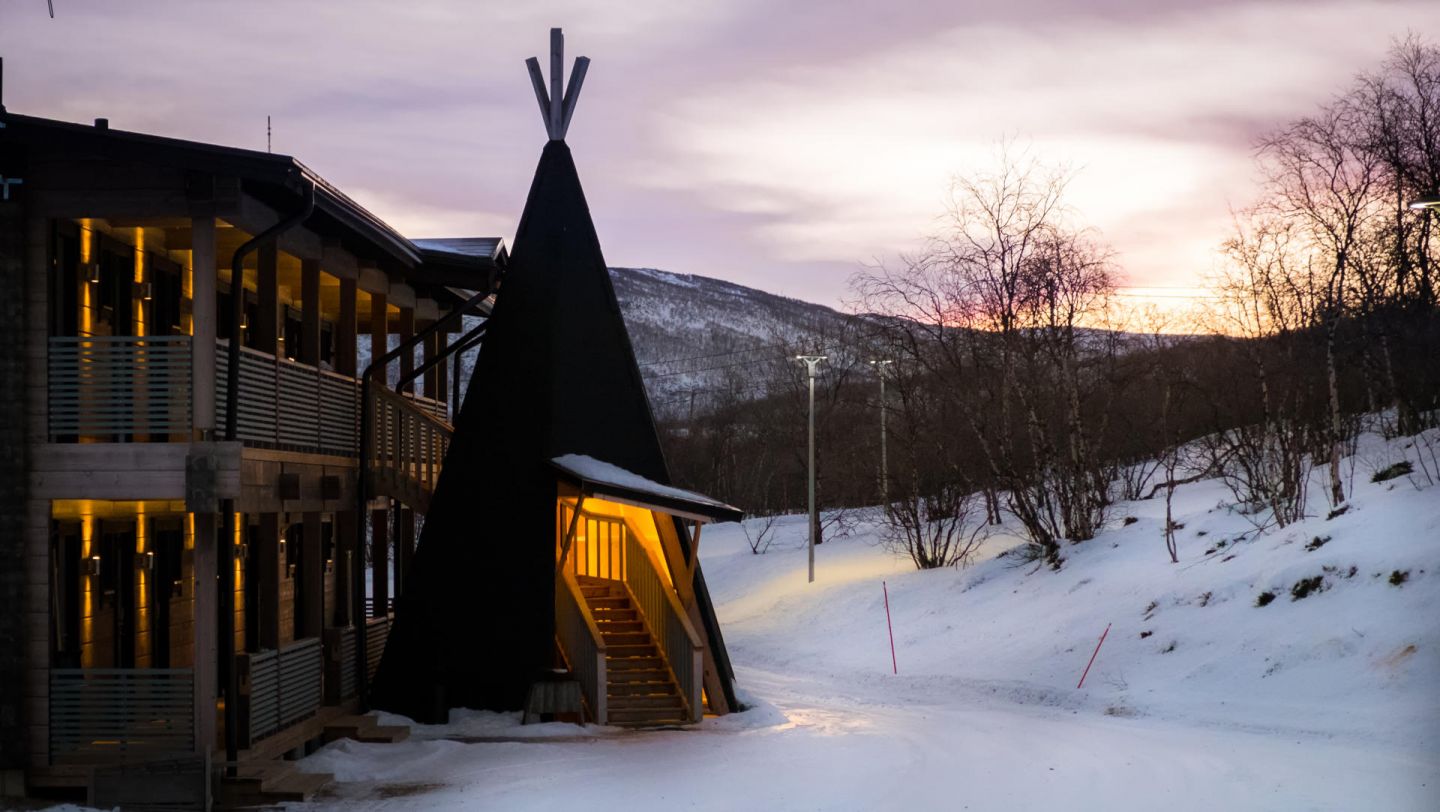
x: 1199, y: 698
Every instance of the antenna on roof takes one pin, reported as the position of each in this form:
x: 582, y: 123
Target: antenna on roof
x: 52, y: 8
x: 267, y: 134
x: 556, y: 109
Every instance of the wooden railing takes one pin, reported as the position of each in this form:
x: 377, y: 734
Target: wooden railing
x: 284, y: 404
x: 405, y: 445
x: 120, y: 714
x: 342, y: 680
x: 581, y: 643
x: 668, y: 623
x: 377, y: 632
x: 119, y: 387
x: 279, y: 688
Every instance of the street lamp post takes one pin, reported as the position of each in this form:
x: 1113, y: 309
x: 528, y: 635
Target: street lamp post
x: 1426, y: 202
x: 811, y: 363
x: 884, y: 460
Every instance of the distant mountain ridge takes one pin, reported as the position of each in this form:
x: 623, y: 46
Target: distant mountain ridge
x: 694, y: 334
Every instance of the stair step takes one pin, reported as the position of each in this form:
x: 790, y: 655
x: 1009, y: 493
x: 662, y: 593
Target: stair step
x: 620, y: 626
x: 634, y: 664
x: 658, y: 702
x: 625, y: 639
x: 639, y: 688
x: 609, y: 603
x: 638, y: 674
x: 383, y: 734
x: 349, y: 727
x: 603, y: 616
x: 645, y: 649
x: 297, y: 786
x: 646, y: 717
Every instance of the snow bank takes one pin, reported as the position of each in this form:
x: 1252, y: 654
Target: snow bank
x: 1200, y: 699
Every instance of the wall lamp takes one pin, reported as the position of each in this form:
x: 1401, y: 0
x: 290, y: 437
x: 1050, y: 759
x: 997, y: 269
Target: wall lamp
x: 144, y: 291
x: 90, y: 272
x: 92, y: 565
x: 145, y: 562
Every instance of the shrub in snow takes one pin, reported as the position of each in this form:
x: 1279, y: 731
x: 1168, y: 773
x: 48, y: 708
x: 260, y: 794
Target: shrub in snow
x: 942, y: 527
x: 1389, y: 472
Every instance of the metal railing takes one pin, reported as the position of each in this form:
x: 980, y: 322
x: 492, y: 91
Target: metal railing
x: 405, y: 446
x: 280, y: 688
x: 667, y: 622
x: 120, y: 714
x: 581, y: 643
x: 119, y: 387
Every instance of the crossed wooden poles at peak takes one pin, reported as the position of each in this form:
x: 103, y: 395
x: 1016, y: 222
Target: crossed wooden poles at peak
x: 555, y: 108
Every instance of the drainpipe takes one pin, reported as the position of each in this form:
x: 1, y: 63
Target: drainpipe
x: 227, y: 506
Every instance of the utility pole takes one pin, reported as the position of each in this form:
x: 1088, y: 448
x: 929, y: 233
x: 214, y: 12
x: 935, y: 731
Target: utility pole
x: 884, y: 461
x: 812, y: 362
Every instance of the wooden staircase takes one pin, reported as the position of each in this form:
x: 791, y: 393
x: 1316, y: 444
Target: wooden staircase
x: 268, y: 784
x: 640, y: 690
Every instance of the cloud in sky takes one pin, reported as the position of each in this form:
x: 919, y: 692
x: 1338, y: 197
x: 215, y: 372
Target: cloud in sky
x: 777, y: 145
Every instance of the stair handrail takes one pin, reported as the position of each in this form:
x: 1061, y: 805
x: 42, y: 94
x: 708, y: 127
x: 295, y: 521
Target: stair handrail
x: 567, y: 589
x: 688, y: 674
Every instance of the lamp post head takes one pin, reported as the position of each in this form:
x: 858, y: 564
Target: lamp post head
x: 1426, y: 202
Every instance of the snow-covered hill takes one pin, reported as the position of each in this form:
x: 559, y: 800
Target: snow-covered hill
x: 694, y: 333
x: 1200, y: 699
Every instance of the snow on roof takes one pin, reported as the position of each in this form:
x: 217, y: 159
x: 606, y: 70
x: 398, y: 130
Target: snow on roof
x: 614, y: 478
x: 473, y: 247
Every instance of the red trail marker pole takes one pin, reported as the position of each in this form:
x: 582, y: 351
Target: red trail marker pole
x: 1092, y: 656
x: 894, y: 668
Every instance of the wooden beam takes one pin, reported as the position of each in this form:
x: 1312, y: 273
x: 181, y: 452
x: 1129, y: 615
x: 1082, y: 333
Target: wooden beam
x: 427, y: 310
x: 538, y: 81
x: 345, y: 329
x: 557, y: 70
x: 373, y: 280
x: 299, y: 241
x: 572, y: 93
x: 402, y: 295
x: 204, y: 264
x: 338, y: 262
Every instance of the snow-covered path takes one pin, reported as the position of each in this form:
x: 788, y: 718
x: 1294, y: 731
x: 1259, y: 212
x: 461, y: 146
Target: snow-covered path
x: 1203, y: 698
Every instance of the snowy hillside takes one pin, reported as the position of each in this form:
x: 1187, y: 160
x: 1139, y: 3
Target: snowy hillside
x: 1200, y: 699
x: 693, y: 333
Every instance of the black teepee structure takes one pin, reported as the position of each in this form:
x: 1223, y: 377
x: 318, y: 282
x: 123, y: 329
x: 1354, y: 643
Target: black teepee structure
x: 556, y: 375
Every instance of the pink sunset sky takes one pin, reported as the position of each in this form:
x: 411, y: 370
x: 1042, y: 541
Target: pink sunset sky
x: 777, y: 145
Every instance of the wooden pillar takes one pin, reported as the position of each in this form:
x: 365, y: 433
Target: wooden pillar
x: 407, y: 358
x: 432, y: 349
x: 309, y: 312
x: 380, y: 561
x: 379, y: 331
x: 206, y: 566
x: 267, y: 290
x: 346, y: 559
x: 267, y: 592
x: 312, y: 571
x: 345, y: 329
x: 379, y: 519
x: 442, y: 372
x: 203, y: 287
